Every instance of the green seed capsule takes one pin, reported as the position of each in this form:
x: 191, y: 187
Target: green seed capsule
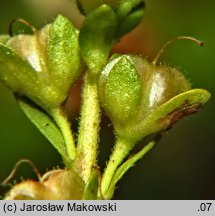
x: 137, y: 95
x: 42, y: 66
x: 160, y: 84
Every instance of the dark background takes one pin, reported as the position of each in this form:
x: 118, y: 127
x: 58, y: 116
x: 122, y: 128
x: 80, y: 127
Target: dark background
x: 182, y: 166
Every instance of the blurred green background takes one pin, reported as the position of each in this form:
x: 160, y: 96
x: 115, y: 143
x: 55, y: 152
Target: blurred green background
x: 182, y: 166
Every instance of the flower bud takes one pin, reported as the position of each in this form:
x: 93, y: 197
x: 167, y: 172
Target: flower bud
x: 137, y: 95
x: 54, y: 185
x: 42, y: 66
x: 96, y: 38
x: 129, y: 13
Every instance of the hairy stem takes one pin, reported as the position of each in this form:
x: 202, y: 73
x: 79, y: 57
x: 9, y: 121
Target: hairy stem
x: 121, y: 150
x: 65, y: 127
x: 89, y: 129
x: 122, y: 169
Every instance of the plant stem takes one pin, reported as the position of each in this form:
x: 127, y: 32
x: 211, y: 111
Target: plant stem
x: 89, y: 129
x: 121, y: 150
x: 122, y: 169
x: 65, y: 127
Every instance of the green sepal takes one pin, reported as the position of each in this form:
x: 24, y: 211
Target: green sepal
x: 42, y: 66
x: 96, y: 37
x: 45, y: 125
x: 4, y: 38
x: 62, y: 56
x: 91, y: 188
x: 17, y: 74
x: 130, y: 14
x: 121, y: 170
x: 167, y: 114
x: 120, y: 90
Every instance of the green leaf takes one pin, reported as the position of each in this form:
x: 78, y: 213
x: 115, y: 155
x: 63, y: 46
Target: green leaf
x: 130, y: 14
x: 45, y: 125
x: 168, y: 114
x: 63, y: 55
x: 126, y: 166
x: 127, y: 7
x: 96, y: 37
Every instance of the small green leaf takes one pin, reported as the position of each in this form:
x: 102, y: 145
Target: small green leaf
x: 96, y: 37
x: 62, y: 55
x: 45, y: 125
x: 126, y: 166
x: 126, y: 7
x: 130, y: 14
